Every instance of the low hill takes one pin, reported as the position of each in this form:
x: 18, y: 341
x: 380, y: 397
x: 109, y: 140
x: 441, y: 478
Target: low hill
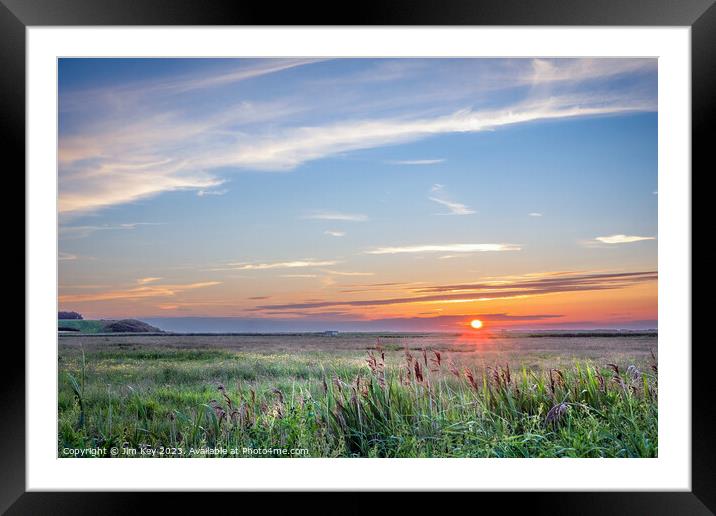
x: 130, y: 326
x: 106, y: 326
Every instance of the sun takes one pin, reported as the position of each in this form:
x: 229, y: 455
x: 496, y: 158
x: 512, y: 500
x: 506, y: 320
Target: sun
x: 476, y: 323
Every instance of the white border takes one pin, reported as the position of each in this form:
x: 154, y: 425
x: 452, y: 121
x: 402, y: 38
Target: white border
x: 670, y: 471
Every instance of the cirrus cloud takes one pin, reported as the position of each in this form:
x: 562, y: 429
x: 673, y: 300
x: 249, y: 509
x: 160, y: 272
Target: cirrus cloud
x: 106, y: 161
x: 507, y: 288
x: 622, y: 239
x: 296, y: 264
x: 143, y: 291
x: 456, y: 208
x: 451, y: 248
x: 337, y: 215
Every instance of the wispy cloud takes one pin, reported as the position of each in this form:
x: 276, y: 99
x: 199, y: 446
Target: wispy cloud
x: 487, y: 291
x: 337, y: 215
x: 296, y: 264
x: 415, y: 162
x: 299, y: 145
x: 141, y: 129
x: 263, y: 68
x: 136, y: 91
x: 450, y: 248
x: 580, y: 70
x: 204, y: 193
x: 455, y: 208
x: 150, y: 279
x: 180, y: 153
x: 85, y: 231
x: 334, y: 233
x: 348, y: 273
x: 390, y: 286
x: 535, y: 214
x: 622, y: 239
x: 66, y: 256
x: 145, y: 291
x: 558, y: 280
x: 94, y: 193
x: 299, y: 275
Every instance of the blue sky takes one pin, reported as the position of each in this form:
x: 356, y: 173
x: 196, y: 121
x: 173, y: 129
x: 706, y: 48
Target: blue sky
x: 192, y: 187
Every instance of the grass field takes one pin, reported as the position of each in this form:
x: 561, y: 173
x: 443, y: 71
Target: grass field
x: 356, y: 396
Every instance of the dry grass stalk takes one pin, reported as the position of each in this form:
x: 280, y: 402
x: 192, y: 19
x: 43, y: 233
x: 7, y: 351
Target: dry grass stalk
x: 377, y: 367
x: 556, y: 379
x: 338, y: 384
x: 556, y: 413
x: 506, y: 374
x: 222, y: 390
x: 418, y: 372
x: 616, y: 377
x: 471, y: 379
x: 218, y: 410
x: 602, y: 383
x: 436, y: 361
x: 278, y: 394
x: 453, y: 368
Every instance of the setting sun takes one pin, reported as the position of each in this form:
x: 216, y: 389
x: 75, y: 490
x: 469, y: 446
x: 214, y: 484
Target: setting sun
x: 476, y: 323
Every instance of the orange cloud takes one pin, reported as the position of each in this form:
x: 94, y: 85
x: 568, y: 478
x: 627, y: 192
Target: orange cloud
x: 136, y: 292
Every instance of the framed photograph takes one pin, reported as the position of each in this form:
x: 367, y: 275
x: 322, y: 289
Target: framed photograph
x: 436, y: 251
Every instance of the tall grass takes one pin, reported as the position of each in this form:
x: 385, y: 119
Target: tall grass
x: 421, y: 405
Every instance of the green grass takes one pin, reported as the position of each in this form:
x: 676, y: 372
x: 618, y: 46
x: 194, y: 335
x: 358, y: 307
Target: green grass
x: 395, y: 404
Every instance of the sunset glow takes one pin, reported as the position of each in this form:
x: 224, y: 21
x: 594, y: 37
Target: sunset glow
x: 360, y: 194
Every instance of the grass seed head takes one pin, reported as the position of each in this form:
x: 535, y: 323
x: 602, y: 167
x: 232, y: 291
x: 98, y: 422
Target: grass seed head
x: 633, y: 372
x: 278, y: 394
x: 471, y: 379
x: 556, y: 413
x: 418, y: 372
x: 654, y: 366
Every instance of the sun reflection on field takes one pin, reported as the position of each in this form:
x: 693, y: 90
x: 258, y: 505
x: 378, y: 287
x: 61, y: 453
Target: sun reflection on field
x: 473, y: 336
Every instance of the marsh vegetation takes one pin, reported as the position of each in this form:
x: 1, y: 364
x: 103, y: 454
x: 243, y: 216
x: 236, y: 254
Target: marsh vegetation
x: 366, y: 397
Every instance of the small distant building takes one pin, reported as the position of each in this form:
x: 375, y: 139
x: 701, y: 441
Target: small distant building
x: 330, y: 333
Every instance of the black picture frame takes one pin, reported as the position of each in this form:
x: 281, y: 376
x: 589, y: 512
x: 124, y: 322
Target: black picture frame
x: 700, y: 15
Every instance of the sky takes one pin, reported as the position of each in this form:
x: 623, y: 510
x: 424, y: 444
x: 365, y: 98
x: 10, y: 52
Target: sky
x: 360, y: 194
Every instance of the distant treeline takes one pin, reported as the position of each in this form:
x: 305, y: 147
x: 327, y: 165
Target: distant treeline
x: 647, y: 333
